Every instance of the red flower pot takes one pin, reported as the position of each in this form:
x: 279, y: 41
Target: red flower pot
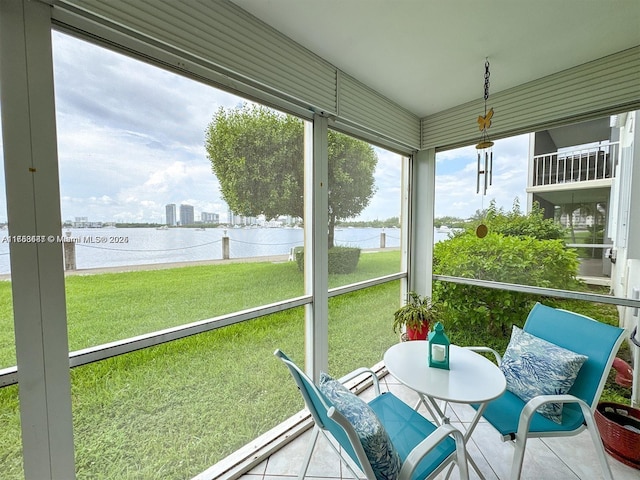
x: 418, y: 334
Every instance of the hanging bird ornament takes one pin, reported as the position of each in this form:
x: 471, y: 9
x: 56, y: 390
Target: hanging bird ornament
x: 485, y: 122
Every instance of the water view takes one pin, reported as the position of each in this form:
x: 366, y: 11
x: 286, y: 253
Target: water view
x: 115, y: 247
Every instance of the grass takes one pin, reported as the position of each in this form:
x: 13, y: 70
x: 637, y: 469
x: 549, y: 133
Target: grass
x: 100, y: 308
x: 173, y: 410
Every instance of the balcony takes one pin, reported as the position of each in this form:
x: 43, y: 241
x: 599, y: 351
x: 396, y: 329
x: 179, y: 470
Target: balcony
x: 572, y: 458
x: 579, y: 165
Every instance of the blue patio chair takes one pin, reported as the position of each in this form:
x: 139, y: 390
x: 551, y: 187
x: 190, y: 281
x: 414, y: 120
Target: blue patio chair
x: 518, y: 420
x: 423, y: 449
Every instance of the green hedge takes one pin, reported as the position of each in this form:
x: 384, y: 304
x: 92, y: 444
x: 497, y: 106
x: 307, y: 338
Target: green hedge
x: 341, y: 259
x: 523, y: 261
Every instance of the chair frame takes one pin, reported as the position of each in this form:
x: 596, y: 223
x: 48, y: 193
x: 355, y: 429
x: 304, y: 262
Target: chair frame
x: 526, y: 415
x: 458, y: 457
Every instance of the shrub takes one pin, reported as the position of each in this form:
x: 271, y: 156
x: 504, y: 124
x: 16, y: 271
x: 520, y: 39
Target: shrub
x: 519, y: 260
x: 515, y: 224
x: 341, y: 259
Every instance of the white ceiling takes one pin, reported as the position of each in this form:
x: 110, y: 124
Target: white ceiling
x: 428, y: 55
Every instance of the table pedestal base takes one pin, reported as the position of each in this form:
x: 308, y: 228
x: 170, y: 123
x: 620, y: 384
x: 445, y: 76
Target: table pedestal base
x: 439, y: 416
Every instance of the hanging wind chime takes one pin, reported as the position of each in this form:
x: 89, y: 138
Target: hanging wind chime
x: 485, y: 152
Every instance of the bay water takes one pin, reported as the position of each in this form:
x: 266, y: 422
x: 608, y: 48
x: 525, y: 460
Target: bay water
x: 114, y: 247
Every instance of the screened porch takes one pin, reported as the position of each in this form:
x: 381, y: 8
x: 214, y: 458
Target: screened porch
x: 156, y: 365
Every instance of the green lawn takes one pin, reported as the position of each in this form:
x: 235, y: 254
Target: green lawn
x: 115, y: 306
x: 173, y: 410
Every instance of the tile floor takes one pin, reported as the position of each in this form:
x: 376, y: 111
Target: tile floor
x: 558, y: 459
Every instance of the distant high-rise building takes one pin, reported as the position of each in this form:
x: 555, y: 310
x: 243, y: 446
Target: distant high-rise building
x: 81, y: 222
x: 186, y: 214
x: 171, y: 214
x: 206, y: 217
x: 232, y: 217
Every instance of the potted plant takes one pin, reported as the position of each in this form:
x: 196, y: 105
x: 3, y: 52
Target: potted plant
x: 415, y: 315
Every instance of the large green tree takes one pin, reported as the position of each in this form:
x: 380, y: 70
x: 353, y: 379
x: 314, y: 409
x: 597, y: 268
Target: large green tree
x: 257, y: 155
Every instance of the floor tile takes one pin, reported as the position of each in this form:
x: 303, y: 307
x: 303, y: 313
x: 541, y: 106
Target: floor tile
x: 288, y: 461
x: 571, y: 458
x: 465, y: 413
x: 539, y: 461
x: 579, y: 453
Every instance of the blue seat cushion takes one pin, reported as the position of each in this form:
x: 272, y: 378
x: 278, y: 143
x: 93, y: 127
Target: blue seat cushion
x: 407, y: 428
x: 504, y: 413
x: 379, y: 448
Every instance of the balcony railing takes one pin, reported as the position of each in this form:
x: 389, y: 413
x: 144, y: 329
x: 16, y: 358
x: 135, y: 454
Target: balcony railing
x: 593, y: 163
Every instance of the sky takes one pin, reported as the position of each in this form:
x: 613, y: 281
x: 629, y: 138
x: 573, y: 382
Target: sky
x: 131, y: 140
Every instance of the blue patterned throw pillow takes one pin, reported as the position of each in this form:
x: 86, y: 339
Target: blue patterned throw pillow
x: 533, y: 366
x: 382, y: 455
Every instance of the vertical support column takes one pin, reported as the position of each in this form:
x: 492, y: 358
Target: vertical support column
x: 530, y: 170
x: 423, y: 183
x: 406, y: 225
x: 633, y: 246
x: 33, y: 208
x: 633, y: 156
x: 316, y: 246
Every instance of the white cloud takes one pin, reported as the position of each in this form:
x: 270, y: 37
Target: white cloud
x: 131, y: 140
x: 456, y: 178
x: 131, y: 133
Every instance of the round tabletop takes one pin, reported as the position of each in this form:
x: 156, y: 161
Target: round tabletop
x: 471, y: 378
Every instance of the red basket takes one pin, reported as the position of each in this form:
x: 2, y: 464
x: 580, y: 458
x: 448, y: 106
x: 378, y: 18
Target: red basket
x: 619, y: 426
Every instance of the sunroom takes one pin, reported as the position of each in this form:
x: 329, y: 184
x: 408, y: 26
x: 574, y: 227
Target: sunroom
x: 147, y: 371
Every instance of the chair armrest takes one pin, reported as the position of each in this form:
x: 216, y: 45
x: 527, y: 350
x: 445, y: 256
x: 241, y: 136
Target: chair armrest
x: 489, y: 350
x: 423, y: 448
x: 536, y: 402
x: 354, y: 440
x: 361, y: 371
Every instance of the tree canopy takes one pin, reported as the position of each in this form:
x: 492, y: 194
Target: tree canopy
x: 257, y: 155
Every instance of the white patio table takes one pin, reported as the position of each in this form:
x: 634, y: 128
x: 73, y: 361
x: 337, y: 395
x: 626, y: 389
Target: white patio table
x: 471, y: 379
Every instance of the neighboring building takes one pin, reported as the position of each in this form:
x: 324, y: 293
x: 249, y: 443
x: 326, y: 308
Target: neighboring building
x: 80, y: 222
x: 83, y: 222
x: 582, y: 175
x: 624, y: 221
x: 206, y: 217
x: 240, y: 220
x: 186, y: 215
x: 171, y: 214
